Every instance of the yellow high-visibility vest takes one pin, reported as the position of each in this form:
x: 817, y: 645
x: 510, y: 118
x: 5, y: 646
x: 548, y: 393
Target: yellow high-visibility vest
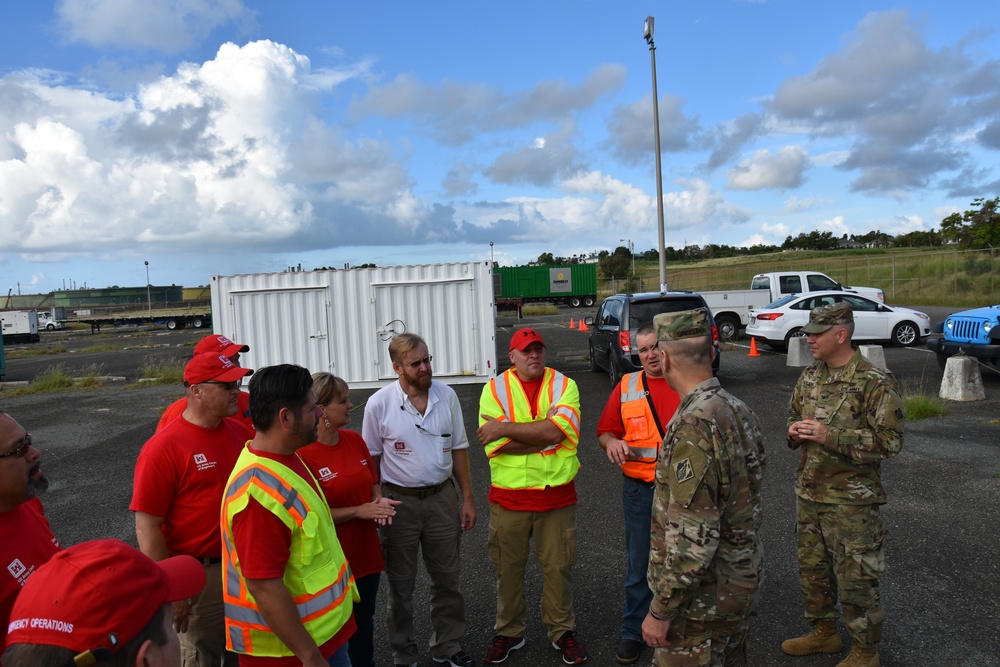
x: 504, y: 397
x: 317, y: 575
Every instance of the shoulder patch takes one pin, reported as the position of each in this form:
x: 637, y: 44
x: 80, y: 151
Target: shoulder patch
x: 683, y: 470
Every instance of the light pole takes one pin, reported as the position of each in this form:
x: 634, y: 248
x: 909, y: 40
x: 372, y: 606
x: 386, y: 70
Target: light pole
x: 492, y: 263
x: 647, y: 32
x: 149, y: 301
x: 631, y: 249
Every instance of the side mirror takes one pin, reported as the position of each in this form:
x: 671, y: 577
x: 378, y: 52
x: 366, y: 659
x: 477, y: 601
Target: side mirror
x: 589, y: 320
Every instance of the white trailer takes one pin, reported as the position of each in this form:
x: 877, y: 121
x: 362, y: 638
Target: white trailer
x: 342, y: 321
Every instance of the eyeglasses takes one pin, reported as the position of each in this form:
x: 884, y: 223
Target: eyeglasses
x: 228, y: 386
x: 20, y: 450
x: 415, y: 365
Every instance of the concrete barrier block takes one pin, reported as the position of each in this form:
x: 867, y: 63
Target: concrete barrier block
x: 962, y: 380
x: 798, y: 352
x: 874, y: 354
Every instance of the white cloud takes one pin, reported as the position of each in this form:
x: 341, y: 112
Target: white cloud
x: 778, y: 230
x: 784, y: 169
x: 836, y: 225
x: 454, y: 112
x: 162, y: 25
x: 541, y: 163
x: 227, y: 151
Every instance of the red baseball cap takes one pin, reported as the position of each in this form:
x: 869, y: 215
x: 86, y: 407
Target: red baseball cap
x: 219, y: 343
x: 98, y: 595
x: 213, y: 366
x: 525, y: 337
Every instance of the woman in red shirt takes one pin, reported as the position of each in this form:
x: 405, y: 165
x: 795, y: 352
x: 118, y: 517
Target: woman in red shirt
x: 340, y: 461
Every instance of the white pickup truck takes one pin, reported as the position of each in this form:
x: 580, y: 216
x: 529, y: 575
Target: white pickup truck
x: 731, y: 308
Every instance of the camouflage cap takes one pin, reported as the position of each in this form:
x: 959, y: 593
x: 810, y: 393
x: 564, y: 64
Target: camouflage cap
x: 682, y: 324
x: 824, y: 317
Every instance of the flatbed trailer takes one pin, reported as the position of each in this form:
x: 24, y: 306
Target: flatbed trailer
x: 195, y: 317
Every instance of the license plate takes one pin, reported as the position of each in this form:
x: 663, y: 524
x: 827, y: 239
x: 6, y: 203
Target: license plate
x: 753, y: 319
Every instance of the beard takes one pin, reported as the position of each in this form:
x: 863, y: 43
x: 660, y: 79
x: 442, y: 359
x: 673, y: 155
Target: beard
x: 37, y: 487
x: 421, y: 381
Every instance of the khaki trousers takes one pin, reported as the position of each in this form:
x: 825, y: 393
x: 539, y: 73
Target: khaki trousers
x: 554, y: 533
x: 204, y: 643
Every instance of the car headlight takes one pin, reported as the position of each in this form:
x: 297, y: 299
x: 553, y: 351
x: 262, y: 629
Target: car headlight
x: 948, y: 325
x: 923, y: 316
x: 987, y: 326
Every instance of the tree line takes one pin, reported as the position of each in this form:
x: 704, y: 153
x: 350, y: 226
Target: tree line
x: 976, y: 228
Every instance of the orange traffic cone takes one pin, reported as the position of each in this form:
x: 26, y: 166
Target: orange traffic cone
x: 571, y: 326
x: 583, y: 326
x: 753, y: 348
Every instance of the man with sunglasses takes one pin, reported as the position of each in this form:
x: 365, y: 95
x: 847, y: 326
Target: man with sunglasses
x: 26, y: 541
x: 180, y: 478
x: 224, y: 346
x: 846, y: 416
x: 416, y: 435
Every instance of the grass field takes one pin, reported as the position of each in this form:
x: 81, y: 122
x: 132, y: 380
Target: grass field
x: 932, y: 276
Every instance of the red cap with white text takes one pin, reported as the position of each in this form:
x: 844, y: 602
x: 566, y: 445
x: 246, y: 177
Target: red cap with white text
x: 219, y: 343
x: 98, y: 596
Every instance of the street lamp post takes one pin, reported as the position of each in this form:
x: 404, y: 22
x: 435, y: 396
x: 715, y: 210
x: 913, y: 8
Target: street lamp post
x: 647, y: 33
x: 149, y: 301
x: 492, y: 263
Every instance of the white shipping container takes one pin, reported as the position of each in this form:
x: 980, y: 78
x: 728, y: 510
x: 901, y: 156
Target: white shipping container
x: 342, y: 321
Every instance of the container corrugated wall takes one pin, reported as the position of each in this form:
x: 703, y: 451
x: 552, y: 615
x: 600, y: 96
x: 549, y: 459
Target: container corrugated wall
x: 342, y: 321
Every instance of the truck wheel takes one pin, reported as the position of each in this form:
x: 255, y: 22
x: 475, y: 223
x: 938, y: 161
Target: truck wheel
x: 574, y: 302
x: 905, y: 334
x: 50, y: 326
x: 594, y: 368
x: 197, y: 323
x: 175, y: 324
x: 729, y: 327
x: 588, y: 301
x: 614, y: 374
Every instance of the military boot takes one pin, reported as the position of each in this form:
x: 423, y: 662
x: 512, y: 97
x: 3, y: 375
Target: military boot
x: 861, y: 657
x: 823, y: 638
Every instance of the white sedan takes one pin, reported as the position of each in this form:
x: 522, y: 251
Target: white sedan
x: 777, y: 322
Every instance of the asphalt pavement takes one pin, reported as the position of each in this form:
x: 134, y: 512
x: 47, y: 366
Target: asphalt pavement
x: 940, y: 586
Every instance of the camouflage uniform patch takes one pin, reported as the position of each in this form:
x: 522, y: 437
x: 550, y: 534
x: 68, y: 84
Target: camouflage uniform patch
x: 839, y: 488
x: 705, y: 552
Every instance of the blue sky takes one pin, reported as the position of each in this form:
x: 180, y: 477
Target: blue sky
x: 236, y: 136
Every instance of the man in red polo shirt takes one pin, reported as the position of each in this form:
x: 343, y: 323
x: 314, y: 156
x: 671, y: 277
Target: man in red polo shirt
x: 222, y: 345
x: 26, y: 542
x: 180, y: 478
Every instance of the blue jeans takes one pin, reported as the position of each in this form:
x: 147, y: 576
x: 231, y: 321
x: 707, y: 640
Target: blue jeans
x: 340, y: 658
x: 637, y: 506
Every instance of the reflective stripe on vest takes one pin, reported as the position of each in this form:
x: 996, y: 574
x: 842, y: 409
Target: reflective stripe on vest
x: 317, y: 562
x: 641, y: 433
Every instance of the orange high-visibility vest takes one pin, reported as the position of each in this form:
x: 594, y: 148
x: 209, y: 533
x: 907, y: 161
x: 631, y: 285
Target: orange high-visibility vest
x: 317, y: 575
x: 641, y: 433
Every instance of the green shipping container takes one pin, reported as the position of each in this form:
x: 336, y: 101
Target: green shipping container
x: 574, y: 285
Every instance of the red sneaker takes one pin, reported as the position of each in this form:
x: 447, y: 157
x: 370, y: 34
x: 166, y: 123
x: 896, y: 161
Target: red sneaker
x: 572, y: 650
x: 501, y: 647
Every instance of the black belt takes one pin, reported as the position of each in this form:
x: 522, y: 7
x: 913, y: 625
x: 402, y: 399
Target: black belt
x: 420, y: 492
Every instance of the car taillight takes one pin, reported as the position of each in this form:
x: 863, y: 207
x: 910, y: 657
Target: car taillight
x: 625, y: 341
x: 768, y: 316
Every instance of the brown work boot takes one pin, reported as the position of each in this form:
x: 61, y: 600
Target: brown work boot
x: 861, y: 657
x: 823, y: 638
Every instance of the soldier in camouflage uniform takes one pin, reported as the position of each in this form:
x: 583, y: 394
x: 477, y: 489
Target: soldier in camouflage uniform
x: 705, y: 552
x: 847, y: 416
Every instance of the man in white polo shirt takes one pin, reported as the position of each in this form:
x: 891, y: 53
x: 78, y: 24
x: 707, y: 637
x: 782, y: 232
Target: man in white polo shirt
x: 416, y: 435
